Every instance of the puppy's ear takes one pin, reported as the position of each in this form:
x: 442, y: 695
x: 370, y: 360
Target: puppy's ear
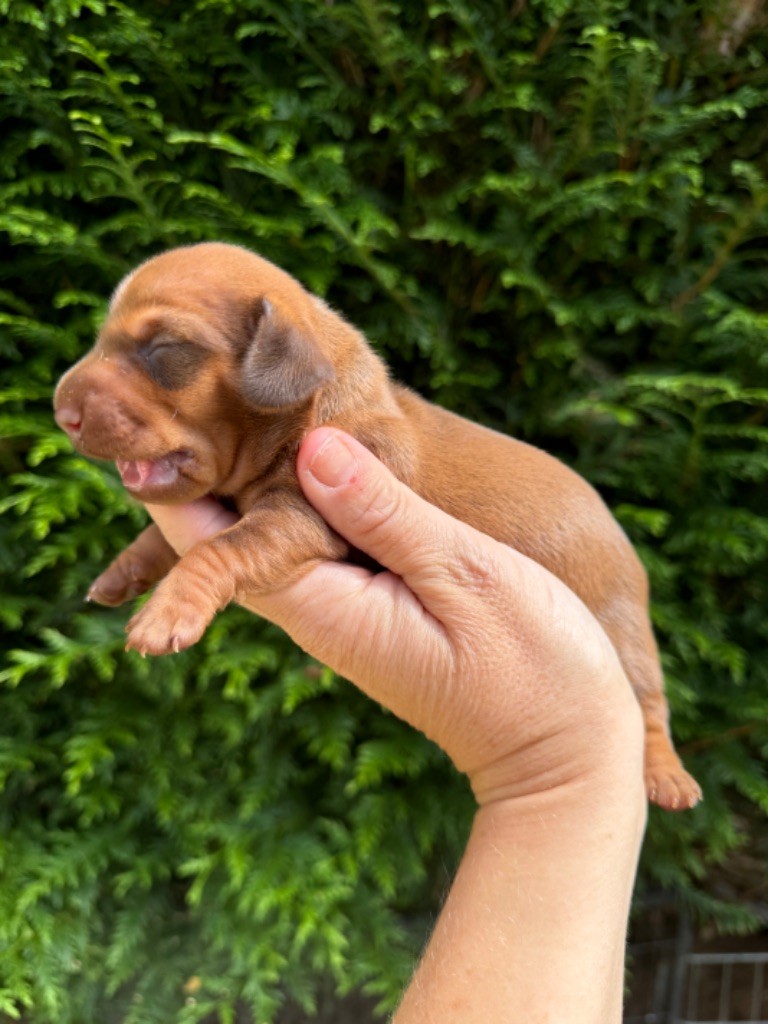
x: 282, y: 365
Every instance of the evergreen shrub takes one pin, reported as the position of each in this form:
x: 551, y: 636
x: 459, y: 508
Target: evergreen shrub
x: 550, y: 217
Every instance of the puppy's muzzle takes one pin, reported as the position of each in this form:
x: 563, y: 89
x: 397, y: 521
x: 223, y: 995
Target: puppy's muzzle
x: 96, y: 417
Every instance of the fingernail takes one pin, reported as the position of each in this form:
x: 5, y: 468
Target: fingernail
x: 333, y: 464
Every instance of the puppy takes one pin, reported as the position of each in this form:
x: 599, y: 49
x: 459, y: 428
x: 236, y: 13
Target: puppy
x: 212, y: 366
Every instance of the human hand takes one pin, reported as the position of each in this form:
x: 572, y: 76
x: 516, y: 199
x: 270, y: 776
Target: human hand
x: 471, y: 642
x: 498, y: 662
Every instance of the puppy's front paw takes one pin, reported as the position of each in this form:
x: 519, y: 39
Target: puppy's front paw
x: 166, y: 625
x: 119, y: 583
x: 148, y: 559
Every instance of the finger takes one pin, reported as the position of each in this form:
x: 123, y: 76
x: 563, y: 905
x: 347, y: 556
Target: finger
x: 183, y: 526
x: 370, y: 629
x: 436, y: 555
x: 346, y: 616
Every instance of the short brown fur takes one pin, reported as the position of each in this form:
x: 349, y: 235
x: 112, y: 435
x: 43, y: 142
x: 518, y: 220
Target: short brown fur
x: 272, y: 362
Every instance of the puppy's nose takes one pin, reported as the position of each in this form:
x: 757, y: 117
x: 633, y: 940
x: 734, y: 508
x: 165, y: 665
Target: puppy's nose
x: 69, y: 419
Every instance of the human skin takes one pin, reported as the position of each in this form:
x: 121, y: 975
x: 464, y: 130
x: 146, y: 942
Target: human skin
x: 499, y: 663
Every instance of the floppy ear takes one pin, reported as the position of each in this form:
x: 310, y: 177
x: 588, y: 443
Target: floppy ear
x: 282, y: 366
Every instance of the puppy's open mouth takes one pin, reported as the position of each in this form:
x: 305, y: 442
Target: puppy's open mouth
x: 138, y: 474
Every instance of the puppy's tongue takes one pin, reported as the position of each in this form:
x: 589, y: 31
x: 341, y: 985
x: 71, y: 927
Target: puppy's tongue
x: 134, y: 474
x: 137, y: 473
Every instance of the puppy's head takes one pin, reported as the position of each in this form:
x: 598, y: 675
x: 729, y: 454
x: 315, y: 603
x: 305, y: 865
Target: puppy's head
x: 199, y: 344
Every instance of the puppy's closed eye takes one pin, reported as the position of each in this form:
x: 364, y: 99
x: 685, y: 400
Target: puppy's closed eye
x: 172, y: 364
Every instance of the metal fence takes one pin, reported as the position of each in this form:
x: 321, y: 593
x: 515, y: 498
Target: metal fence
x: 669, y: 984
x: 651, y: 982
x: 732, y: 984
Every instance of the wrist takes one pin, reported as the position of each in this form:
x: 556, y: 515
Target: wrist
x: 594, y: 749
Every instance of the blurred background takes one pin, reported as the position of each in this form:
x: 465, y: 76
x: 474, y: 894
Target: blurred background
x: 550, y: 217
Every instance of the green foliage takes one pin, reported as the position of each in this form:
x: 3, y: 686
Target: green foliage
x: 550, y: 217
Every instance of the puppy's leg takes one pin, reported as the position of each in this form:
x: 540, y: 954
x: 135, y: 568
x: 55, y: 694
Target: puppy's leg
x: 271, y: 546
x: 135, y: 570
x: 668, y: 784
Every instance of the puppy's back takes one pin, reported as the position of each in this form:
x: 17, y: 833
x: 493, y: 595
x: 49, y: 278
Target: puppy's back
x: 522, y: 497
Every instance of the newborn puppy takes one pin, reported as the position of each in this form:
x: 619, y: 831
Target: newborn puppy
x: 212, y: 366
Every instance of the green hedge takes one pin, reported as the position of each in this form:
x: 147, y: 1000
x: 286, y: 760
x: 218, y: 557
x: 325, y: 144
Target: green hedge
x: 550, y: 217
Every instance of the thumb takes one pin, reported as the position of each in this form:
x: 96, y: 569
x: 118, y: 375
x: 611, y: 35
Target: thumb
x: 438, y: 557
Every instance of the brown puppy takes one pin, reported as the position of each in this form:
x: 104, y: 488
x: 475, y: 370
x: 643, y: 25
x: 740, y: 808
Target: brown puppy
x: 212, y: 366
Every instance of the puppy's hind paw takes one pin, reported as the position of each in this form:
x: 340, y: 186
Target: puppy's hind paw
x: 673, y: 789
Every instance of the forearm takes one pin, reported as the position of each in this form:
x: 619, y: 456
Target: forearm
x: 534, y: 926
